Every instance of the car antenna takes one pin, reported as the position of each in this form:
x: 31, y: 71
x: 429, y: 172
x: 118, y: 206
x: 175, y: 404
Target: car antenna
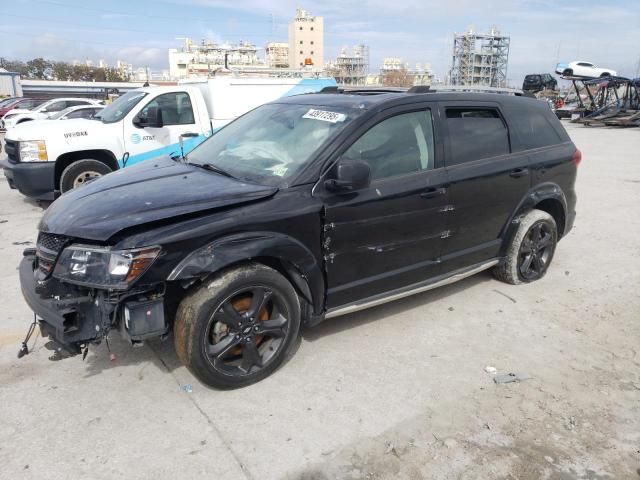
x: 125, y: 159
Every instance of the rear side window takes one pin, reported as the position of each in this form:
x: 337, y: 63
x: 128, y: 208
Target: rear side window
x: 533, y: 129
x: 476, y: 133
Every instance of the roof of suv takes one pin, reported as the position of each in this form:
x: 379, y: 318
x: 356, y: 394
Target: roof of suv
x: 371, y: 99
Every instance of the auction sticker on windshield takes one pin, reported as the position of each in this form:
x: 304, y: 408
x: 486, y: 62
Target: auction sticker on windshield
x: 333, y: 117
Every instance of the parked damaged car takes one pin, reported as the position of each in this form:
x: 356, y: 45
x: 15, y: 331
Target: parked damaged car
x: 301, y: 210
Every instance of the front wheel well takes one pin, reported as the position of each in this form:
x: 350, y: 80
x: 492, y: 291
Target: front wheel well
x: 554, y: 208
x: 63, y: 161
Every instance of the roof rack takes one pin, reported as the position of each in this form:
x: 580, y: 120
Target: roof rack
x: 422, y: 89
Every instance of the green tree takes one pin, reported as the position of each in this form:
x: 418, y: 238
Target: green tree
x: 39, y: 69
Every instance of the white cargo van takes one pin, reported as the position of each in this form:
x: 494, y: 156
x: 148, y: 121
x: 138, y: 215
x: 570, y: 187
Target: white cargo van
x: 142, y: 124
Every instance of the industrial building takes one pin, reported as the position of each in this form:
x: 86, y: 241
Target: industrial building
x: 480, y: 58
x: 277, y: 54
x: 420, y: 75
x: 306, y: 40
x: 350, y: 68
x: 200, y: 59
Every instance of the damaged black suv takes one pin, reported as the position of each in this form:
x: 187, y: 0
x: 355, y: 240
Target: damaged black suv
x: 303, y: 209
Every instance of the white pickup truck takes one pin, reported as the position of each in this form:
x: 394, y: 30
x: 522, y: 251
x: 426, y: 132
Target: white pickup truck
x: 43, y: 161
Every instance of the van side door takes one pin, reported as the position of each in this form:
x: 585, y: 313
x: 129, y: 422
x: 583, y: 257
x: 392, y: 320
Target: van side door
x: 487, y: 181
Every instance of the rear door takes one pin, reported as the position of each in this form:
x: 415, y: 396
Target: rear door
x: 178, y: 118
x: 388, y: 235
x: 487, y: 181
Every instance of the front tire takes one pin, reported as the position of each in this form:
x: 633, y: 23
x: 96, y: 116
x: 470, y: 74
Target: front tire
x: 567, y: 72
x: 80, y: 172
x: 530, y: 251
x: 239, y: 327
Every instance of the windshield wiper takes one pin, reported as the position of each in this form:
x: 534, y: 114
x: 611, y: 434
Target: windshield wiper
x: 212, y: 168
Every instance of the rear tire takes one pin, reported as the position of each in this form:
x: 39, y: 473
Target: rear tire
x: 605, y: 74
x: 530, y: 251
x: 80, y: 172
x: 239, y: 327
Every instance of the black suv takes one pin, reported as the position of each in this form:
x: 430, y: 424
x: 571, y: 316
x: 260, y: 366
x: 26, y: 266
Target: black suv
x: 538, y: 82
x: 303, y: 209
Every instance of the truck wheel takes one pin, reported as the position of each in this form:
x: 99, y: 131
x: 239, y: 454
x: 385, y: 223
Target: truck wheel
x: 80, y: 172
x: 239, y: 327
x: 605, y: 74
x: 530, y: 251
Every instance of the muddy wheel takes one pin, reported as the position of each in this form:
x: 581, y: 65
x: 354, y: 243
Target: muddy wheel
x: 530, y: 251
x: 80, y: 172
x: 239, y: 327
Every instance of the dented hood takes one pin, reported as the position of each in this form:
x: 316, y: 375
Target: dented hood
x: 148, y: 192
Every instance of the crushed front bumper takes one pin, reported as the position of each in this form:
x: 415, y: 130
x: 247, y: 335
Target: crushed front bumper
x: 74, y: 317
x: 70, y: 318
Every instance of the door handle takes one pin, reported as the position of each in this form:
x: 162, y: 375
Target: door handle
x: 519, y: 172
x: 433, y: 192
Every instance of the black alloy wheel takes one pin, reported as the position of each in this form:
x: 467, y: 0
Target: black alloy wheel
x: 246, y: 331
x: 239, y: 326
x: 536, y: 251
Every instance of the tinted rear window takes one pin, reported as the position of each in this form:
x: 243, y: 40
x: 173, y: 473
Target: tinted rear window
x: 476, y: 133
x: 532, y: 79
x: 533, y: 128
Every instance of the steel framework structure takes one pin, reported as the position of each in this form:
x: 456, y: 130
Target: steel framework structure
x: 480, y: 59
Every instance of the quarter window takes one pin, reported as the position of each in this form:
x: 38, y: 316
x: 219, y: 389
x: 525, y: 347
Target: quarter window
x: 176, y: 108
x: 476, y: 133
x: 399, y: 145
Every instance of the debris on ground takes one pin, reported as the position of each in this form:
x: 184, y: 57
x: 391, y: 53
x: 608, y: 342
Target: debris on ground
x: 505, y: 295
x: 511, y: 377
x: 450, y: 443
x: 491, y: 370
x: 22, y: 243
x: 188, y: 388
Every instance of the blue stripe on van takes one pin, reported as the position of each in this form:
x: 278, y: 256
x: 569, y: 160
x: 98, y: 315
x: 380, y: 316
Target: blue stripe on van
x: 189, y: 144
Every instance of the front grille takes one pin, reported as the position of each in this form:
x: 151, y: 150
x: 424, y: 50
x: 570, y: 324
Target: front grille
x: 12, y: 150
x: 48, y: 248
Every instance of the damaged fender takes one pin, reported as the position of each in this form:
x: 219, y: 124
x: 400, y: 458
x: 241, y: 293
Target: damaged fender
x: 301, y: 266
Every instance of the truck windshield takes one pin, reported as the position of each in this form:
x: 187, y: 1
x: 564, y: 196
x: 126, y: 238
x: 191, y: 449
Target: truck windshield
x: 120, y: 107
x: 271, y: 143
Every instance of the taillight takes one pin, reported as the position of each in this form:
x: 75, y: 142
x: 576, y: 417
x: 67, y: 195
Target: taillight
x: 577, y: 157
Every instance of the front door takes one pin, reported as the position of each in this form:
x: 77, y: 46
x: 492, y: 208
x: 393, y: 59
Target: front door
x: 387, y: 235
x: 147, y: 142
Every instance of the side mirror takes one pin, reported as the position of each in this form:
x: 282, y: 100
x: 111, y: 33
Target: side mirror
x: 351, y: 175
x: 152, y: 118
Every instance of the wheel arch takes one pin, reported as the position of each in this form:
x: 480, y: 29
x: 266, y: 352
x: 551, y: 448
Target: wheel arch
x: 547, y: 197
x: 66, y: 159
x: 276, y: 250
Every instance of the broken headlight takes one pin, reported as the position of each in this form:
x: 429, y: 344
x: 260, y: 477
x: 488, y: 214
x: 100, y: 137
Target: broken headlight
x: 103, y: 268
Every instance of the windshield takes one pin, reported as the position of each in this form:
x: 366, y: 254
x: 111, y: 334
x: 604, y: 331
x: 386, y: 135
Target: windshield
x: 120, y: 107
x: 272, y: 142
x: 61, y: 113
x: 7, y: 101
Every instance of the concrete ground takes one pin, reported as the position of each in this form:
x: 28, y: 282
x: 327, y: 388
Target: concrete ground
x: 399, y: 391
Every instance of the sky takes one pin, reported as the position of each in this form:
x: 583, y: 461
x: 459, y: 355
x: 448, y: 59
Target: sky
x: 542, y: 32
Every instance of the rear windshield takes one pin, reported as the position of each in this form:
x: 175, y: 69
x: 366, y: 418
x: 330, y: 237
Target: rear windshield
x: 532, y: 79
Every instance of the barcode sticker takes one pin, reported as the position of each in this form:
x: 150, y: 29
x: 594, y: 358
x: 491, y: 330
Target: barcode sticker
x: 332, y: 117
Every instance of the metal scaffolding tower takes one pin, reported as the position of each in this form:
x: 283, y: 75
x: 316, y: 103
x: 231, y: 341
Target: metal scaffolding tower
x: 350, y: 68
x: 480, y: 59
